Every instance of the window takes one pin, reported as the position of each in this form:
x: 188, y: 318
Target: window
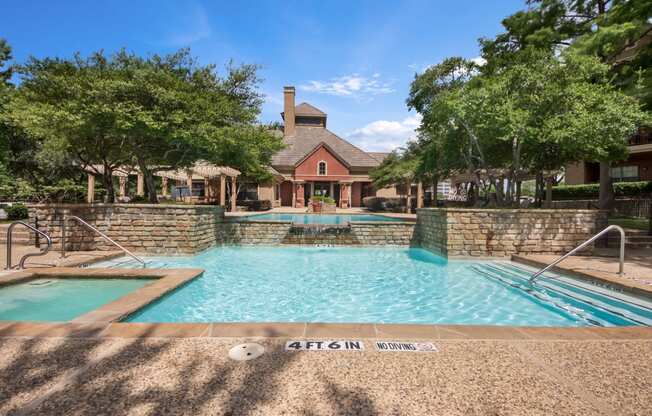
x: 625, y: 173
x: 248, y: 192
x: 321, y: 169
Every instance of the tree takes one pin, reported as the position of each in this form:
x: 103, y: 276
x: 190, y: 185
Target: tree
x: 400, y: 168
x: 156, y: 113
x: 600, y: 28
x: 539, y: 113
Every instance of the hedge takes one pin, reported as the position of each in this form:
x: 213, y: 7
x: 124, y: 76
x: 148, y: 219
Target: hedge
x: 591, y: 191
x: 16, y: 212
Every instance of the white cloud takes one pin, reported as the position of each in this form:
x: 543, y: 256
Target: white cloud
x: 479, y: 61
x: 354, y: 85
x: 192, y: 27
x: 384, y: 135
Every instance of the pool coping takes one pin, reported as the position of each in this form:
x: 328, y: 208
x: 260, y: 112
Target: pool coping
x: 594, y: 277
x: 303, y: 330
x: 166, y: 280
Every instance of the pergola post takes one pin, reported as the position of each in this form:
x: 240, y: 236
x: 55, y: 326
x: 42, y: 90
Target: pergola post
x: 189, y: 184
x: 420, y: 195
x: 140, y: 185
x: 164, y: 186
x: 90, y: 196
x: 207, y: 189
x: 234, y: 194
x: 123, y: 186
x: 222, y: 190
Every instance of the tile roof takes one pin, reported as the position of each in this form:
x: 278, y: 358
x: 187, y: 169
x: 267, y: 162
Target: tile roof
x: 307, y: 138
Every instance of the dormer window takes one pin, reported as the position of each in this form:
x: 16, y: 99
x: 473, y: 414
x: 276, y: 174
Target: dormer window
x: 321, y: 168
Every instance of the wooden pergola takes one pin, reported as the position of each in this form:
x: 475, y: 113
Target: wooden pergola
x: 214, y: 177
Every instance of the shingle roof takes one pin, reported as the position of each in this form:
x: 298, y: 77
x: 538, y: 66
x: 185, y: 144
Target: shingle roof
x: 379, y: 156
x: 307, y: 138
x: 305, y: 109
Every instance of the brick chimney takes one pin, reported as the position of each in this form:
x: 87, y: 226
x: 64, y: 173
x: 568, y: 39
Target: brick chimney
x: 288, y: 111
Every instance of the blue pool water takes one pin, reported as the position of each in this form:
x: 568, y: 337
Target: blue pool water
x: 61, y: 299
x: 382, y: 285
x: 330, y: 219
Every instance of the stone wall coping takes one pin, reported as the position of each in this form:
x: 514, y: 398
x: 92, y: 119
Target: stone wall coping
x: 513, y: 210
x: 122, y: 205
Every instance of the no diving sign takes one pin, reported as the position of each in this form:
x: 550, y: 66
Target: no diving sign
x: 333, y: 345
x: 405, y: 346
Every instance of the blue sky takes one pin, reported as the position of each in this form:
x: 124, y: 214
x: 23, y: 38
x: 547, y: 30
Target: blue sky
x: 352, y: 59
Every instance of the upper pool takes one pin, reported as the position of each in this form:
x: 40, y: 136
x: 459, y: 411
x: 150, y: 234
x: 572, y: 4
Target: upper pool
x: 378, y: 285
x: 330, y: 219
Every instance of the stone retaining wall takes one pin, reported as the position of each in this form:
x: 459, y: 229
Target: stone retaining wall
x: 502, y: 232
x: 274, y: 233
x: 154, y: 229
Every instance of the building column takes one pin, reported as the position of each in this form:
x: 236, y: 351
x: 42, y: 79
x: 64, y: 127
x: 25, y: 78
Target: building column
x: 345, y: 195
x: 164, y: 186
x: 222, y: 190
x: 123, y: 186
x: 299, y: 195
x: 294, y: 194
x: 420, y: 195
x: 189, y: 185
x: 234, y: 194
x: 332, y: 190
x: 90, y: 196
x: 140, y: 185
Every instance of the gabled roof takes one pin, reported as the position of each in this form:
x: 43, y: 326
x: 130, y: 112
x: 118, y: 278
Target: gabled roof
x: 305, y: 109
x: 308, y: 138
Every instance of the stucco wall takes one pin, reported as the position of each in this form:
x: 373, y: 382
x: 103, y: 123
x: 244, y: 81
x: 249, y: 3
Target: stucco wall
x: 138, y: 227
x: 494, y: 232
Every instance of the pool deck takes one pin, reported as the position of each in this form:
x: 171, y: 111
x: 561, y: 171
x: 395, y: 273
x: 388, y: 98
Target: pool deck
x: 184, y: 369
x: 603, y: 268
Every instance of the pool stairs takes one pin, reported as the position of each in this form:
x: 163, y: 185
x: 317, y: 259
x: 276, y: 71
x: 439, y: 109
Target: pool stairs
x: 579, y: 298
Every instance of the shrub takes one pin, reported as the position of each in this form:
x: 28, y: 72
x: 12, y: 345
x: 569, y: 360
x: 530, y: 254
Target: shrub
x: 257, y: 204
x: 324, y: 199
x: 16, y: 212
x: 139, y: 199
x: 379, y: 203
x: 591, y: 191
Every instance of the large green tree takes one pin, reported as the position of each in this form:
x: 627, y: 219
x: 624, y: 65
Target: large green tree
x: 615, y: 31
x: 155, y: 113
x: 537, y: 114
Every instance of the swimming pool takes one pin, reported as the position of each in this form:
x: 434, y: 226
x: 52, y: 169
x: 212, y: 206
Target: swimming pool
x: 329, y: 219
x: 376, y: 285
x: 61, y: 299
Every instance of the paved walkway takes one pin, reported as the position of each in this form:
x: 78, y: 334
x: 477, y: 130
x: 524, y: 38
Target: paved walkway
x: 193, y: 376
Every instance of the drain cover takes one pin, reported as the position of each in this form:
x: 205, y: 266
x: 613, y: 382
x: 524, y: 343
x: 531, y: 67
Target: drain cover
x: 246, y: 352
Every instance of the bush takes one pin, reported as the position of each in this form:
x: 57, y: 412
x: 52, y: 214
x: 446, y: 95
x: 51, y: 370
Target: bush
x: 591, y: 191
x: 324, y: 199
x: 16, y: 212
x: 257, y: 204
x: 139, y: 199
x: 379, y: 203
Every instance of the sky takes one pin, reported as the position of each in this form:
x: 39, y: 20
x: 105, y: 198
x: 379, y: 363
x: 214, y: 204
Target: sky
x: 353, y: 60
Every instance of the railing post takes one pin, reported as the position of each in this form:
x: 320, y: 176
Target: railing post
x: 9, y: 232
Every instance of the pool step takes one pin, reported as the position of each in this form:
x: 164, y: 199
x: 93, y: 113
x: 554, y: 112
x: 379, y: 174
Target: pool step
x: 573, y: 292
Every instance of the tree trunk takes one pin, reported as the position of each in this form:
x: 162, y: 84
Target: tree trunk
x: 538, y: 189
x: 606, y: 196
x: 548, y: 193
x: 107, y: 179
x: 435, y: 182
x: 518, y: 194
x: 150, y: 184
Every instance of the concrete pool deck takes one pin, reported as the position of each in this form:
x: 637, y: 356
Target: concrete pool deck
x: 111, y: 369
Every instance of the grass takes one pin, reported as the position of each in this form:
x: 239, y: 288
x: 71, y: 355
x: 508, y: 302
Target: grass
x: 630, y: 222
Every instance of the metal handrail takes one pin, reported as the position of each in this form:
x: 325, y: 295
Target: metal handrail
x: 586, y: 243
x: 21, y: 262
x: 100, y: 233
